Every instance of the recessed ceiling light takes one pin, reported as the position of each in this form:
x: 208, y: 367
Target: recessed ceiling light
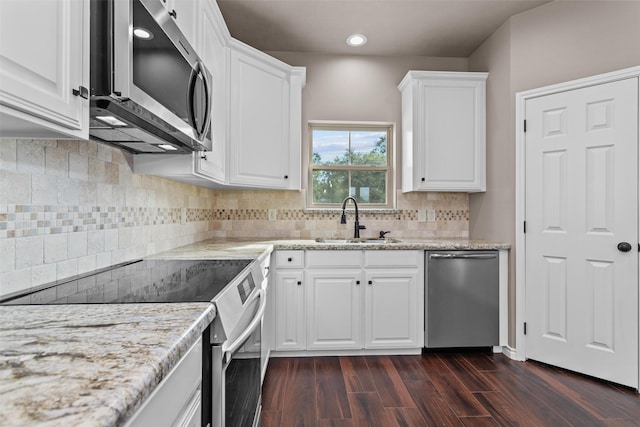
x: 142, y: 33
x: 356, y: 40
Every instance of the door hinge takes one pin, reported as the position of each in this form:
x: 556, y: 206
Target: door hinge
x: 524, y: 227
x: 525, y: 328
x: 525, y: 125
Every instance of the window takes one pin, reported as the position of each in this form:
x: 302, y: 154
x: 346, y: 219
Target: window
x: 351, y: 160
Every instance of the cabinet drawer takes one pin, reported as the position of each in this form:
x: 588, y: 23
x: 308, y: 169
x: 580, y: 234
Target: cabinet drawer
x: 393, y: 259
x: 289, y: 259
x: 334, y: 259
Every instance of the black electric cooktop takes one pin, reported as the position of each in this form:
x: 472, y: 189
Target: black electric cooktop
x: 141, y: 281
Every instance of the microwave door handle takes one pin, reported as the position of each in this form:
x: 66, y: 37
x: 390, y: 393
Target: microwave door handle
x: 198, y: 73
x: 255, y: 322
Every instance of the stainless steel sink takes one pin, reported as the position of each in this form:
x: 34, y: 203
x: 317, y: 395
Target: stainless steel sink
x: 372, y: 241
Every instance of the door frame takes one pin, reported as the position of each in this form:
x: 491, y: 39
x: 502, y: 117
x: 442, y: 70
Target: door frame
x: 520, y: 208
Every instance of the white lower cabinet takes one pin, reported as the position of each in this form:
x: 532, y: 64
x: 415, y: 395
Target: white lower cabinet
x: 391, y: 309
x: 333, y: 309
x: 349, y: 300
x: 177, y: 400
x: 290, y: 324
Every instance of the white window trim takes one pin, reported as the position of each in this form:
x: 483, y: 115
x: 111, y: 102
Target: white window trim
x: 391, y: 162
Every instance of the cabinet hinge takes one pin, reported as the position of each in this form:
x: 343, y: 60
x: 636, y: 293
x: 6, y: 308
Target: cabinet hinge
x: 525, y: 328
x: 525, y: 125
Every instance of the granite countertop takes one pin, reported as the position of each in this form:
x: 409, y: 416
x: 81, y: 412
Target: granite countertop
x: 254, y: 248
x: 70, y: 365
x: 401, y: 244
x: 93, y: 365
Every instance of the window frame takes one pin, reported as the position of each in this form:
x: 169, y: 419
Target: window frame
x: 389, y: 168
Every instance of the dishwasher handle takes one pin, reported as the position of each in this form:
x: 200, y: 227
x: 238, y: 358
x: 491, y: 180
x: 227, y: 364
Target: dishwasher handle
x: 462, y: 256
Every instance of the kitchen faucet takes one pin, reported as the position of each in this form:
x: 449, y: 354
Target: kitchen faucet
x: 343, y: 219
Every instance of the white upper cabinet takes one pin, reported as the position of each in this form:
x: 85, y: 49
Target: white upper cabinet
x: 186, y: 15
x: 265, y: 120
x: 256, y: 122
x: 212, y: 40
x: 443, y: 131
x: 44, y: 78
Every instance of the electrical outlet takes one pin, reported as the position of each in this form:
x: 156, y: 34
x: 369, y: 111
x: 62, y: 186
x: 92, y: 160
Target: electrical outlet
x: 422, y: 215
x: 273, y: 214
x: 431, y: 215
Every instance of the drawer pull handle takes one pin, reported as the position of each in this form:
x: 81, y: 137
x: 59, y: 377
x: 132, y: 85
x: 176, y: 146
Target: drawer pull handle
x: 370, y: 282
x: 289, y: 259
x: 299, y: 283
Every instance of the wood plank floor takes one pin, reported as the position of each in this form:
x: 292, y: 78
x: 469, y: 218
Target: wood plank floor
x: 438, y: 389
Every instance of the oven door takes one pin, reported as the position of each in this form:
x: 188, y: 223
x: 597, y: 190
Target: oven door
x: 236, y: 371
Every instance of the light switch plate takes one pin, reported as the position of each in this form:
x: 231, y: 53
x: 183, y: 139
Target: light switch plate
x: 431, y: 215
x: 273, y: 214
x: 422, y: 215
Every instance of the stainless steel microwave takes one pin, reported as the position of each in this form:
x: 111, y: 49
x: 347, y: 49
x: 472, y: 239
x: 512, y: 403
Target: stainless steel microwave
x: 150, y: 92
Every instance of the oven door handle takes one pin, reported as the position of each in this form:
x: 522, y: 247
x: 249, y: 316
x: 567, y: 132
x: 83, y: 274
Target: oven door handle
x: 234, y: 346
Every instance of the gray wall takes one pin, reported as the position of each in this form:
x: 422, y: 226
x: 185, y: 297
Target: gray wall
x: 556, y: 42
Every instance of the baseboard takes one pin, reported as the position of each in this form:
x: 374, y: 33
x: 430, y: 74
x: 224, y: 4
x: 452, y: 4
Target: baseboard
x: 509, y: 352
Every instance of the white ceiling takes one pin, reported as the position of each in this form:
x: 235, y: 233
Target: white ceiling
x: 453, y: 28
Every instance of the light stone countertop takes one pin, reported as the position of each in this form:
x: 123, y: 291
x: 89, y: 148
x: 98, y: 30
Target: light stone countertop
x: 254, y: 248
x: 89, y: 365
x: 94, y: 365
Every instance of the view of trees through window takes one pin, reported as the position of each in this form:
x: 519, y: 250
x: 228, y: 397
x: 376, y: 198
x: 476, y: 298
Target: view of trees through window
x: 349, y: 162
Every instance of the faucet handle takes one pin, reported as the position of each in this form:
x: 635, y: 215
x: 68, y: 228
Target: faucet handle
x: 382, y: 233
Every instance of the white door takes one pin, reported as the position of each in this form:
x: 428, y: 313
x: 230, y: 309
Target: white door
x: 581, y: 204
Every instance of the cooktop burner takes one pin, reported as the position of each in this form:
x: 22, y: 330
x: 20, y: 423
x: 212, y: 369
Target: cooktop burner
x: 142, y: 281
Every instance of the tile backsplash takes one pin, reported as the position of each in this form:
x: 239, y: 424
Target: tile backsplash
x: 68, y: 207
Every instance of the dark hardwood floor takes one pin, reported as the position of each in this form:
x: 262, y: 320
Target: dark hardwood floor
x: 438, y: 389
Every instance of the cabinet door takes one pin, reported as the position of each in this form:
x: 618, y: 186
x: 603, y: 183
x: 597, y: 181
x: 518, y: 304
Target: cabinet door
x: 451, y: 153
x: 392, y: 305
x: 259, y: 122
x: 186, y: 16
x: 43, y: 58
x: 333, y: 309
x: 212, y: 34
x: 290, y: 316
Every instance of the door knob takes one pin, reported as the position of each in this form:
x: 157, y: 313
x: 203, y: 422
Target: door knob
x: 624, y: 247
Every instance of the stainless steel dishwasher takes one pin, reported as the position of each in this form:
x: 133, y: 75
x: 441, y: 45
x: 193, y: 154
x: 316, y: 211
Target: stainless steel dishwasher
x: 462, y: 299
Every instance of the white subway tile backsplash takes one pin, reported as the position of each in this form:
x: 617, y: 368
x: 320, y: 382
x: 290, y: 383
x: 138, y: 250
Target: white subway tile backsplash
x: 30, y: 157
x: 111, y: 239
x: 55, y: 248
x: 66, y: 268
x: 29, y: 252
x: 43, y: 274
x: 95, y: 242
x: 7, y: 255
x: 8, y: 152
x: 56, y: 161
x: 15, y: 281
x: 78, y: 167
x: 77, y: 243
x: 44, y: 189
x: 15, y: 188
